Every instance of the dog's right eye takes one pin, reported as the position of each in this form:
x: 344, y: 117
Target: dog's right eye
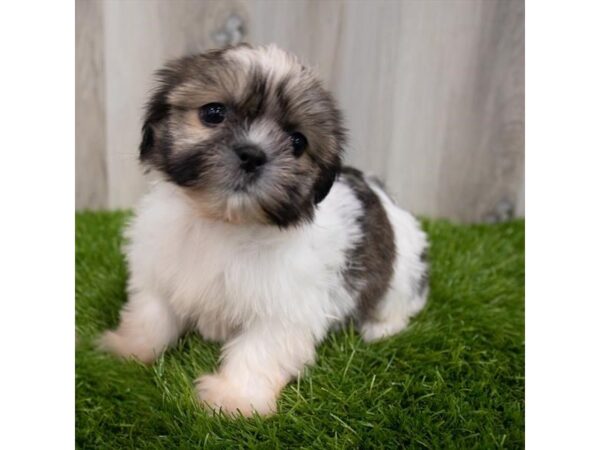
x: 212, y: 113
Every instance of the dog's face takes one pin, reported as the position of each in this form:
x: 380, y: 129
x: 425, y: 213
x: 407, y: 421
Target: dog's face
x: 249, y: 133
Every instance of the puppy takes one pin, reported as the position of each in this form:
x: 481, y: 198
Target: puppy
x: 256, y: 236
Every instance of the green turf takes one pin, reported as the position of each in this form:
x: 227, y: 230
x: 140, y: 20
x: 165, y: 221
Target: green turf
x: 454, y: 379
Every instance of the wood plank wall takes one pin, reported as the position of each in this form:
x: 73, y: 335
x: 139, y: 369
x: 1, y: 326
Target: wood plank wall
x: 432, y: 90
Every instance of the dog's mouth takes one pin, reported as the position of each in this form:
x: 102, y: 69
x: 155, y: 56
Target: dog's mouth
x: 238, y: 203
x: 246, y: 183
x: 243, y: 207
x: 264, y: 196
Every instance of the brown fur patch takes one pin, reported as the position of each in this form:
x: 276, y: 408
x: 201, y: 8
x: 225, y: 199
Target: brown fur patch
x: 371, y: 261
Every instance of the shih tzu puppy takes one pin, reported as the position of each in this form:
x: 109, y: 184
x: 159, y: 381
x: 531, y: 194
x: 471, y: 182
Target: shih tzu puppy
x: 256, y: 236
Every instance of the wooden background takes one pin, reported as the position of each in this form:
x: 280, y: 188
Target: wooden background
x: 432, y: 90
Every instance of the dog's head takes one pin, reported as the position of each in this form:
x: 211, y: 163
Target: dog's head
x: 248, y: 132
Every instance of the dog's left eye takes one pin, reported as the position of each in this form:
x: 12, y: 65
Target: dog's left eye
x: 213, y: 113
x: 299, y: 143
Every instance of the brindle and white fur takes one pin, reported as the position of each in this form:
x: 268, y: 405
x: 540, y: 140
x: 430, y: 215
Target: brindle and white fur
x: 267, y: 260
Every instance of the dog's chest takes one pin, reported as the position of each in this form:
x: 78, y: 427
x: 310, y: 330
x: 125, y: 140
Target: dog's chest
x: 226, y: 273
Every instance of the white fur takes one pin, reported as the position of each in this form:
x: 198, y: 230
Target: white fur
x: 273, y: 60
x: 271, y: 295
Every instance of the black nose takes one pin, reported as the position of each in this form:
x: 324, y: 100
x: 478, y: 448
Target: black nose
x: 251, y: 157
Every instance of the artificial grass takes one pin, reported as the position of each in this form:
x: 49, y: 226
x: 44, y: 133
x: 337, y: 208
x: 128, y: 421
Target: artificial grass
x: 454, y: 379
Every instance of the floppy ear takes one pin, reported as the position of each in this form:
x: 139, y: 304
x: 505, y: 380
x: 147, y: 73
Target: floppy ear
x: 325, y: 180
x: 156, y: 110
x: 331, y: 167
x: 147, y: 144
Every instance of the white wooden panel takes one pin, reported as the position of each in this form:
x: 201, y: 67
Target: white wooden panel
x: 90, y: 125
x: 432, y: 90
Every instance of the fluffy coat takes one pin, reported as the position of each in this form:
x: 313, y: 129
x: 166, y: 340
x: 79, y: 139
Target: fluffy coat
x: 241, y: 271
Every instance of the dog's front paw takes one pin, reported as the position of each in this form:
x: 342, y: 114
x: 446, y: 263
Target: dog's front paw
x: 127, y: 347
x: 219, y: 393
